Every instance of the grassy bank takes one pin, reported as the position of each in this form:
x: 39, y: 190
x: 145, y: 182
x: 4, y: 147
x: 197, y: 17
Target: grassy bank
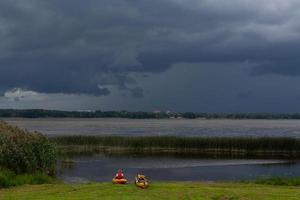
x: 295, y: 181
x: 161, y: 191
x: 267, y: 146
x: 10, y: 179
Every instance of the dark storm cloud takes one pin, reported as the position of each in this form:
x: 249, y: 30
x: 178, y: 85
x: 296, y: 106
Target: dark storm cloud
x: 285, y: 67
x: 82, y: 47
x: 137, y: 92
x: 245, y: 94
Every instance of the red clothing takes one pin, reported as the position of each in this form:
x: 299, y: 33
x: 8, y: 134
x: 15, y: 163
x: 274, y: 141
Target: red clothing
x: 119, y: 175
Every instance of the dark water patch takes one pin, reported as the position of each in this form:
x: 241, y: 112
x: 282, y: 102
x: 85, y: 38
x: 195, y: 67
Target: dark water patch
x: 101, y: 168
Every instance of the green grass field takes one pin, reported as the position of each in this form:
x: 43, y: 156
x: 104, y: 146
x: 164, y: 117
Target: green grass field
x: 161, y: 191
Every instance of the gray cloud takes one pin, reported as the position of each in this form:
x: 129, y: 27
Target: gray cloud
x: 137, y: 92
x: 245, y: 94
x: 282, y: 67
x: 74, y: 46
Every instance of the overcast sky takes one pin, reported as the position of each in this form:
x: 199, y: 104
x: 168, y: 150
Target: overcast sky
x: 179, y: 55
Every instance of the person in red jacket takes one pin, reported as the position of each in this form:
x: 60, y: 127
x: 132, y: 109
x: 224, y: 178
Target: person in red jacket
x: 119, y: 175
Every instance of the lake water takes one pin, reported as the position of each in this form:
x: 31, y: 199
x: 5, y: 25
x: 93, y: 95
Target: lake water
x: 143, y: 127
x: 102, y: 169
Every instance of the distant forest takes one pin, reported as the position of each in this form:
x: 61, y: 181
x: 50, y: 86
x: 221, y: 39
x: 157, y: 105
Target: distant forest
x: 40, y: 113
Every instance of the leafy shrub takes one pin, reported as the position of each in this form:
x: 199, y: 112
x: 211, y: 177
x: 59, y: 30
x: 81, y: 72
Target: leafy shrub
x: 279, y: 181
x: 25, y: 152
x: 9, y: 179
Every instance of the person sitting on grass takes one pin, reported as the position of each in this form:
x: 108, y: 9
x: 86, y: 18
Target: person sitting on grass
x: 119, y: 175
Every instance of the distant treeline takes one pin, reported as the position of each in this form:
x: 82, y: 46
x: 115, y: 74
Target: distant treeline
x: 40, y: 113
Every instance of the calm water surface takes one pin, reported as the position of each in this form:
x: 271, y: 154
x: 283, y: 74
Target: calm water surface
x: 100, y: 168
x: 180, y: 127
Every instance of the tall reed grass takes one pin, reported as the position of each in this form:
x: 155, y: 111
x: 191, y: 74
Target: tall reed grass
x: 286, y: 146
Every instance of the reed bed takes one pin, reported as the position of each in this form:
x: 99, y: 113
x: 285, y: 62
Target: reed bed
x: 289, y: 147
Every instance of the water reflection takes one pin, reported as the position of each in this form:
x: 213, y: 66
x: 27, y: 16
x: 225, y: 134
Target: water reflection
x: 102, y: 168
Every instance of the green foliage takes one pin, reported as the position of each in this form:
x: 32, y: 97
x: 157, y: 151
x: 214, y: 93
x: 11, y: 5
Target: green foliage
x: 40, y: 113
x: 279, y: 181
x: 24, y: 152
x: 9, y: 179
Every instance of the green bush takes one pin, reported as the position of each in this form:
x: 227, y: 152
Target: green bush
x: 24, y: 152
x: 9, y: 179
x: 279, y: 181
